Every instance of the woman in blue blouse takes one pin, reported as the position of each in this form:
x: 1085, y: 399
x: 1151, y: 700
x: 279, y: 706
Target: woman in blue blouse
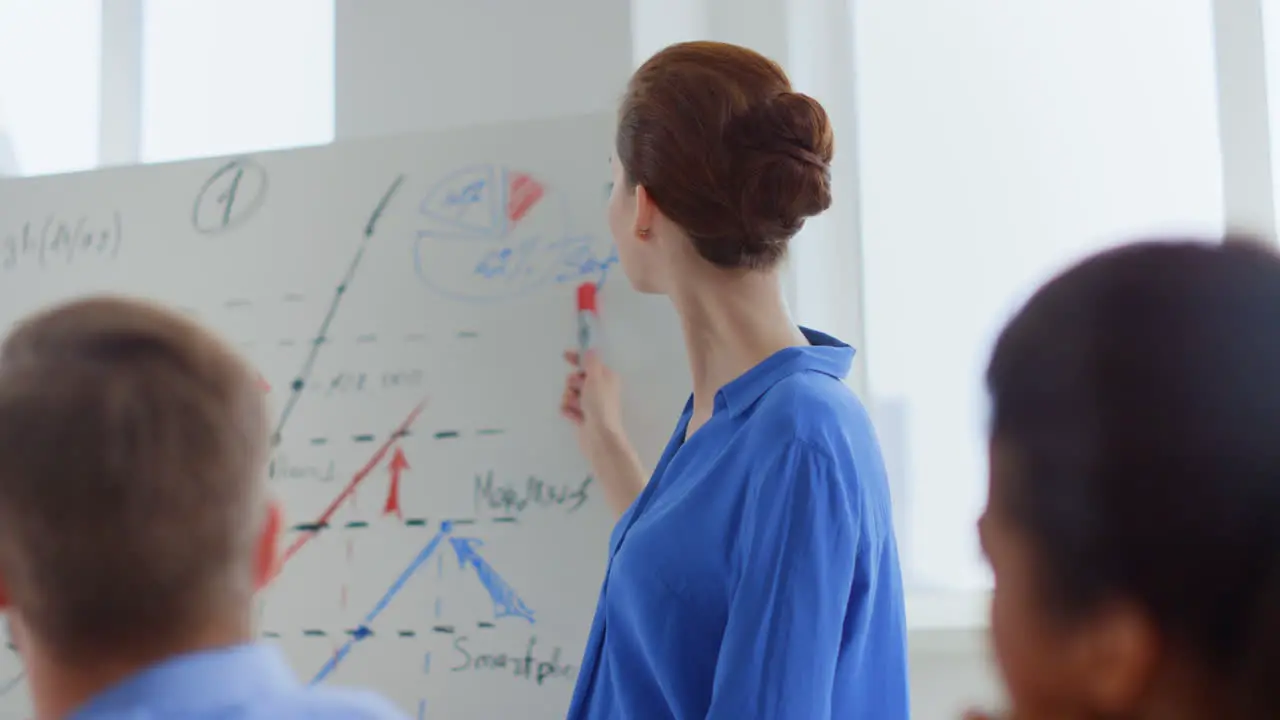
x: 755, y: 574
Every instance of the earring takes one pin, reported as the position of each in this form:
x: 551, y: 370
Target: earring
x: 643, y: 232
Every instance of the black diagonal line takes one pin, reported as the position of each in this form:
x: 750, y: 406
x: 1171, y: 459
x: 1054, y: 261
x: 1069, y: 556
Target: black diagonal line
x: 300, y: 381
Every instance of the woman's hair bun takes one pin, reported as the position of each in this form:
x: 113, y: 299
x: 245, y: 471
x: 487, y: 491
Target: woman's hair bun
x: 726, y: 150
x: 784, y: 149
x: 796, y: 124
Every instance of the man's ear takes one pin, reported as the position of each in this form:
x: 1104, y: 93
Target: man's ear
x: 266, y: 561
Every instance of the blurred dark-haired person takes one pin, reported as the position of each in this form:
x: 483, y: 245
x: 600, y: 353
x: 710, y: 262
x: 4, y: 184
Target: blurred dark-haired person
x: 1133, y: 517
x: 755, y: 574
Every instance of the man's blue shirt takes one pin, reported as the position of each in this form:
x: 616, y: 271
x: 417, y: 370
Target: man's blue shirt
x: 248, y: 682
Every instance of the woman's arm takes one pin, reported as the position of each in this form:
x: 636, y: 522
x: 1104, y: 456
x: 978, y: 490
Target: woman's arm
x: 618, y: 470
x: 592, y: 402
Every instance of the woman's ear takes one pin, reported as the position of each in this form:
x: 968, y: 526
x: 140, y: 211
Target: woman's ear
x: 646, y: 213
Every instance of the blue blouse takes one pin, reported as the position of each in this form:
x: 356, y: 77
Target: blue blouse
x: 756, y: 576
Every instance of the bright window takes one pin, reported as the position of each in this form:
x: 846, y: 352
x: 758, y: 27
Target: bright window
x: 999, y: 141
x: 50, y: 61
x: 1271, y: 44
x: 228, y: 76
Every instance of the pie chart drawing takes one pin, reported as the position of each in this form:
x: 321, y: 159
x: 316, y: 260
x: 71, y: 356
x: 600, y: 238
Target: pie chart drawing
x: 481, y: 202
x: 488, y: 232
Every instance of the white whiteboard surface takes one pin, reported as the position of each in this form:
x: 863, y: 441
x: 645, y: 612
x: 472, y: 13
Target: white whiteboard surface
x: 434, y: 271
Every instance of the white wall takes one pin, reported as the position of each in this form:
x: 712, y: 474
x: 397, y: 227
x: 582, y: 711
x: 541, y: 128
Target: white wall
x: 197, y: 99
x: 952, y: 671
x: 999, y: 142
x: 50, y: 115
x: 408, y: 65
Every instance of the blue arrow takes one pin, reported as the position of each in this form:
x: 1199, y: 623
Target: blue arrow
x: 505, y: 601
x: 363, y: 630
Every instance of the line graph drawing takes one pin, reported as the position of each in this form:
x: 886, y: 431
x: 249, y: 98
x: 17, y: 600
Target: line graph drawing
x: 509, y: 206
x: 303, y: 375
x: 363, y: 631
x: 349, y: 490
x: 506, y: 601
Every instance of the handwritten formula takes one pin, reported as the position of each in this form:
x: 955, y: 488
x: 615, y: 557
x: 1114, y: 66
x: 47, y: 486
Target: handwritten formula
x: 60, y: 241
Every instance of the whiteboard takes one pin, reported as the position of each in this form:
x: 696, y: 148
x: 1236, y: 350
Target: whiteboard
x: 406, y: 301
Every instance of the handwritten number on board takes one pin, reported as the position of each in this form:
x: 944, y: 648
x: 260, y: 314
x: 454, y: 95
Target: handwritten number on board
x: 229, y: 197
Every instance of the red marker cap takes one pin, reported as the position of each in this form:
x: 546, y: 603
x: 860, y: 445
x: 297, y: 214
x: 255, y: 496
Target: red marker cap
x: 587, y: 297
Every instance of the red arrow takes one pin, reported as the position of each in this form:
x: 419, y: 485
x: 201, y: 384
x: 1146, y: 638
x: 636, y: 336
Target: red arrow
x: 348, y: 492
x: 398, y: 465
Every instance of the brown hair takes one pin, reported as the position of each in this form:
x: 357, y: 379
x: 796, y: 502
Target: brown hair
x: 715, y: 135
x: 132, y: 449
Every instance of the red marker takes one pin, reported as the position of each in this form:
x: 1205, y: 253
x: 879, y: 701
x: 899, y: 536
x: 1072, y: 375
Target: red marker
x: 588, y: 319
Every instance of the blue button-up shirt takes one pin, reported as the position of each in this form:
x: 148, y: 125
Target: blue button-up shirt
x: 250, y: 682
x: 757, y: 574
